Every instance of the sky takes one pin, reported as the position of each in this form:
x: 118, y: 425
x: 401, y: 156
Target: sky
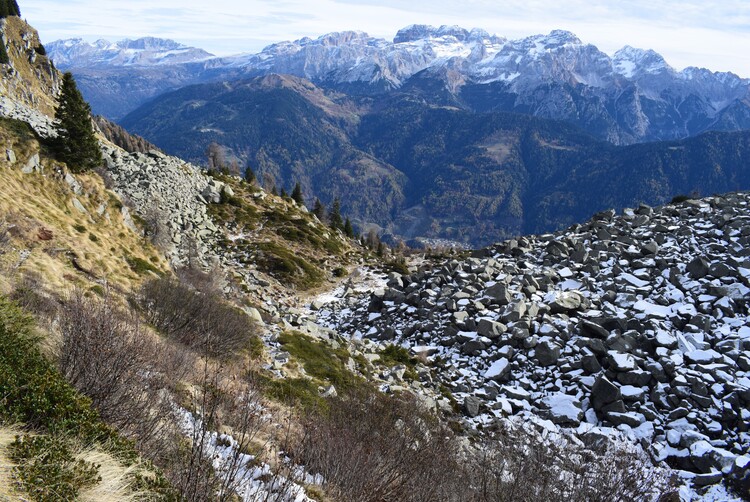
x: 706, y: 33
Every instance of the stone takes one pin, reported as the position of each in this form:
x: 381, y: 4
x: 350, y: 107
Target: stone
x: 592, y: 330
x: 547, y: 353
x: 499, y: 293
x: 604, y: 392
x: 32, y: 165
x: 472, y: 405
x: 77, y: 204
x: 563, y: 409
x: 698, y: 268
x: 73, y: 183
x: 621, y: 362
x: 590, y: 364
x: 710, y: 478
x: 329, y: 391
x: 514, y: 311
x: 498, y: 370
x: 629, y: 419
x: 490, y: 329
x: 566, y: 301
x: 706, y: 457
x: 472, y: 347
x: 10, y: 155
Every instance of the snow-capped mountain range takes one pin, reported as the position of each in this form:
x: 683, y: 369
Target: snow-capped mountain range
x: 147, y: 51
x: 631, y: 96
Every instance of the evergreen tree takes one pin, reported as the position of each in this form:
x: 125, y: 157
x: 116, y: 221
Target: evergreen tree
x: 4, y: 59
x: 334, y: 218
x: 297, y: 194
x: 319, y: 210
x: 9, y: 8
x: 76, y: 144
x: 348, y: 229
x: 249, y: 175
x: 274, y: 191
x: 283, y: 193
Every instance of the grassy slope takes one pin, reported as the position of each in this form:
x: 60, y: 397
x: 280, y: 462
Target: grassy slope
x: 279, y: 238
x: 68, y: 247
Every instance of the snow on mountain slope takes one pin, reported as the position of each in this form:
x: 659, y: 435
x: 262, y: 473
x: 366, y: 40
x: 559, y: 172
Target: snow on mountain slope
x: 631, y: 96
x: 148, y: 51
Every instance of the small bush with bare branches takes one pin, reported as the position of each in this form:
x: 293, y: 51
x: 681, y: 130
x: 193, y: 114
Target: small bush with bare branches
x: 107, y: 356
x: 200, y: 320
x: 514, y: 463
x: 373, y: 448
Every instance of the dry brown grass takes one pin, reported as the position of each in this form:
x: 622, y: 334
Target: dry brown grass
x: 85, y: 249
x: 34, y: 82
x: 8, y: 482
x: 117, y: 481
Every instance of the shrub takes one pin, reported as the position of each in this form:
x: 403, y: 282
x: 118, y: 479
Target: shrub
x: 372, y: 447
x: 33, y: 391
x: 200, y: 320
x: 512, y: 463
x: 677, y: 199
x: 48, y: 469
x: 287, y: 266
x: 106, y: 356
x: 320, y: 360
x: 141, y: 266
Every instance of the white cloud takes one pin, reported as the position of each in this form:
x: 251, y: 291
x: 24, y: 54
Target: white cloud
x: 687, y: 32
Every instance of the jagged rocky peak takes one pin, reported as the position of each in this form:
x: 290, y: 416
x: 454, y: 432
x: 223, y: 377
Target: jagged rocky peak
x: 151, y: 44
x: 558, y: 38
x: 424, y: 31
x: 342, y: 38
x: 631, y: 62
x: 146, y: 51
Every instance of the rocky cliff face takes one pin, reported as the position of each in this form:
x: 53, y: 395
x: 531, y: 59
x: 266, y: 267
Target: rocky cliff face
x: 634, y: 323
x: 29, y: 79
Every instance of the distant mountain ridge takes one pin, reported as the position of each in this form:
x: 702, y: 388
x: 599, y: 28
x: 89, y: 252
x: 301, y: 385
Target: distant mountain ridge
x: 633, y: 96
x: 147, y: 51
x: 439, y: 172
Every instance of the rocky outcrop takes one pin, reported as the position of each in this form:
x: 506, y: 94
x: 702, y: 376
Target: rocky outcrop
x: 634, y: 323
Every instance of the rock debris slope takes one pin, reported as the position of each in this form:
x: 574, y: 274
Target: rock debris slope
x: 636, y: 322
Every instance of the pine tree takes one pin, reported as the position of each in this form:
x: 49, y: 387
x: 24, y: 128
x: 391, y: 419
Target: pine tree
x: 250, y: 175
x: 4, y: 59
x: 348, y: 229
x: 319, y: 210
x: 283, y: 193
x: 76, y: 144
x: 297, y: 194
x: 9, y: 8
x: 334, y: 218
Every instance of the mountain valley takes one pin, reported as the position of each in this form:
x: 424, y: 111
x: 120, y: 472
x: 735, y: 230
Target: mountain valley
x: 571, y: 322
